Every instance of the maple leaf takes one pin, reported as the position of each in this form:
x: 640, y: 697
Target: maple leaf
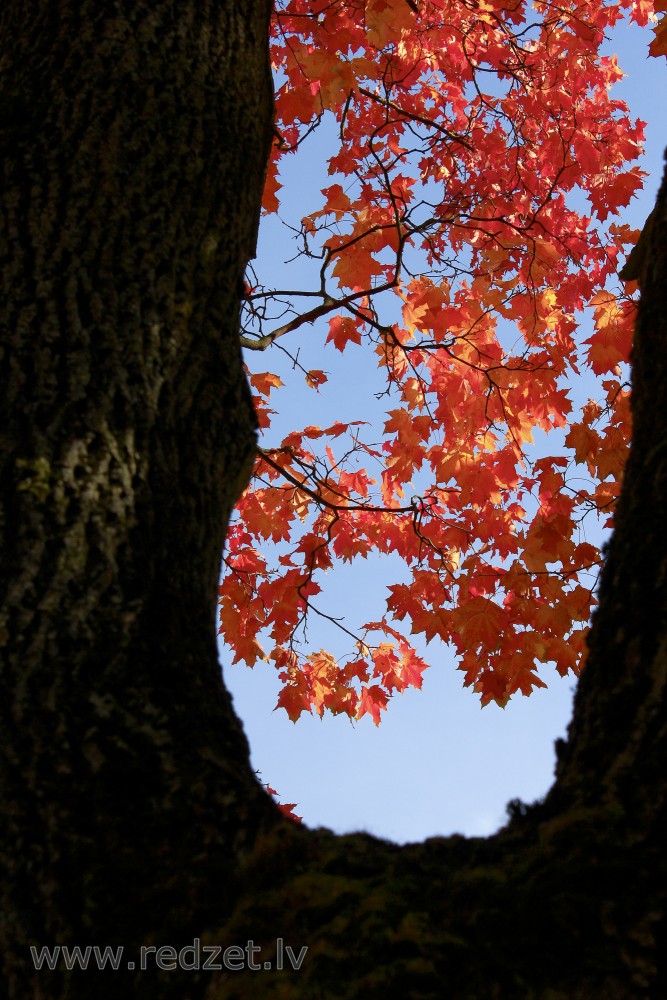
x: 264, y: 382
x: 586, y: 443
x: 315, y: 378
x: 247, y: 648
x: 372, y: 701
x: 342, y: 331
x: 354, y: 267
x: 611, y: 342
x: 294, y: 701
x: 480, y: 621
x: 337, y: 201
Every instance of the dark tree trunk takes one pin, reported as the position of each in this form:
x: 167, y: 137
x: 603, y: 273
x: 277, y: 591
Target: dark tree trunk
x: 134, y: 137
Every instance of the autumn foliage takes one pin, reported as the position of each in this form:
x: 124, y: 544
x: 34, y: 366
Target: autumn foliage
x: 470, y: 236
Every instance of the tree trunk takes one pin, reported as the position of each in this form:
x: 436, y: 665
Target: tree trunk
x: 134, y: 137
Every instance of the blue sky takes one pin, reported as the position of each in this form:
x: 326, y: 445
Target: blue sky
x: 438, y: 763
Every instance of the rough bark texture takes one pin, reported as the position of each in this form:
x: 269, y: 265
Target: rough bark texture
x: 134, y: 137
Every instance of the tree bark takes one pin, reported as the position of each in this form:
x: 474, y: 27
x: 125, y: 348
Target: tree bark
x: 134, y: 138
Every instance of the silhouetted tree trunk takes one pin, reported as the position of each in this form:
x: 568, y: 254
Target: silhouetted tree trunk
x: 134, y: 138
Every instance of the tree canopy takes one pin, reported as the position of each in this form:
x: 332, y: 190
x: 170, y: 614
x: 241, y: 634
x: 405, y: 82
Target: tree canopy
x: 471, y: 237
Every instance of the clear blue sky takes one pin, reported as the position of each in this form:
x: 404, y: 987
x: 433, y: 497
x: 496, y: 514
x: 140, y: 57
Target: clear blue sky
x: 438, y: 763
